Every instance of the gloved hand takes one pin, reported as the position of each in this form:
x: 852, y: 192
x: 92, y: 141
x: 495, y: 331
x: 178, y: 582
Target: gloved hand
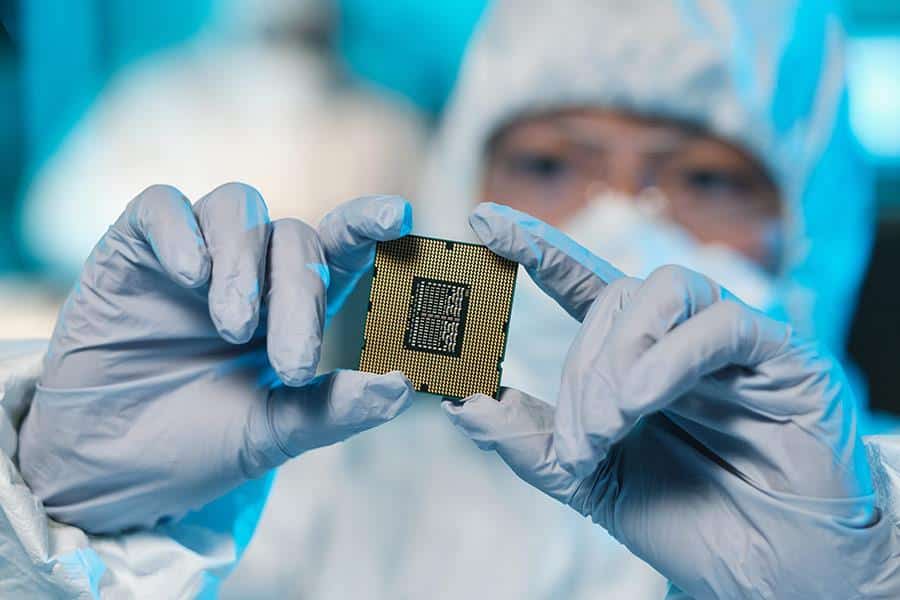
x: 184, y: 360
x: 696, y: 430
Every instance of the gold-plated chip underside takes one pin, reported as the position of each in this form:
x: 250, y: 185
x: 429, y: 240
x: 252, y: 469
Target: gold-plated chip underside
x: 439, y: 312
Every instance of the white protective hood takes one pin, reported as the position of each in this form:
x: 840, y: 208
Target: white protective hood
x: 767, y: 76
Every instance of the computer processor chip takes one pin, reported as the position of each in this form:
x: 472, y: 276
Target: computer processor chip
x: 439, y: 311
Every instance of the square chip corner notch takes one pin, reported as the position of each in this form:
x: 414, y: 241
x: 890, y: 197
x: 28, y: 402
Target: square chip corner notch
x: 439, y: 311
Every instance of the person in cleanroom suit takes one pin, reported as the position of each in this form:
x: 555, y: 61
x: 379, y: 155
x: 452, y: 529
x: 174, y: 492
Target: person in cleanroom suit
x: 563, y: 110
x: 423, y: 515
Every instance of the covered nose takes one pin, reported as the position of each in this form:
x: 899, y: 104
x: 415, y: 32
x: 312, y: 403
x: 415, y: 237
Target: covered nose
x: 626, y: 175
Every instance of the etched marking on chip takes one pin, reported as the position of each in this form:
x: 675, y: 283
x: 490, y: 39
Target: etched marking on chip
x: 439, y: 312
x: 437, y: 316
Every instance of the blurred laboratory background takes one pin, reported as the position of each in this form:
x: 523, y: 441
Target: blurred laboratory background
x: 103, y: 97
x: 313, y: 102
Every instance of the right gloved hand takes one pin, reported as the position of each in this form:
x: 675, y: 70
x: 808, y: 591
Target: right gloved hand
x: 700, y: 433
x: 184, y: 360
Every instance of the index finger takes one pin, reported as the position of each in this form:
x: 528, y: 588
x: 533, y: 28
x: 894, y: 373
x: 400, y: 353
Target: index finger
x: 161, y: 217
x: 349, y: 233
x: 566, y: 271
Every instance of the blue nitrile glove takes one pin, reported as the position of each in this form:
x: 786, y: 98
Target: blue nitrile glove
x: 699, y: 432
x: 184, y: 360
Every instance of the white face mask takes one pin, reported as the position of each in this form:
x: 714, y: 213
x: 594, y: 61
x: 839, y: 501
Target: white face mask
x: 633, y: 240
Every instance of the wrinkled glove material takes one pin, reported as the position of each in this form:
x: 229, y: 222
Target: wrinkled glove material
x: 699, y: 432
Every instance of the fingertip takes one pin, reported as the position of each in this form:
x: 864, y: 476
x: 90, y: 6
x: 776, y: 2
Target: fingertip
x: 236, y: 336
x: 194, y: 270
x: 487, y: 209
x: 394, y: 391
x: 295, y: 377
x: 236, y: 319
x: 243, y: 197
x: 394, y: 217
x: 479, y: 222
x: 296, y: 366
x: 454, y: 407
x: 509, y: 233
x: 393, y: 385
x: 472, y: 412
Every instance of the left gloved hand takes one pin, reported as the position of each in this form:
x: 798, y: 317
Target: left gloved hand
x: 699, y: 432
x: 184, y: 361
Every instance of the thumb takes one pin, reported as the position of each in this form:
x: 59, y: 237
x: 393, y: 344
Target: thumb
x: 330, y: 409
x: 519, y: 428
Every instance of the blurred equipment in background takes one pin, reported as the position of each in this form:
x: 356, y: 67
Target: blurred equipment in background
x: 55, y: 59
x: 874, y: 80
x: 875, y: 335
x: 408, y: 46
x: 69, y: 51
x: 11, y: 158
x: 254, y: 98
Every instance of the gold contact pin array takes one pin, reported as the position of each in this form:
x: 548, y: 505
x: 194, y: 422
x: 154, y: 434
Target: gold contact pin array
x: 439, y: 312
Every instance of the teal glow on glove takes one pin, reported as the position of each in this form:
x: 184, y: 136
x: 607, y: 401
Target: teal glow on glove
x: 700, y: 433
x: 184, y: 360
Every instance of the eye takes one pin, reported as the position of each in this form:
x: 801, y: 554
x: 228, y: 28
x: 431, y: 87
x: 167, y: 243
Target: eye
x: 712, y: 182
x: 542, y: 166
